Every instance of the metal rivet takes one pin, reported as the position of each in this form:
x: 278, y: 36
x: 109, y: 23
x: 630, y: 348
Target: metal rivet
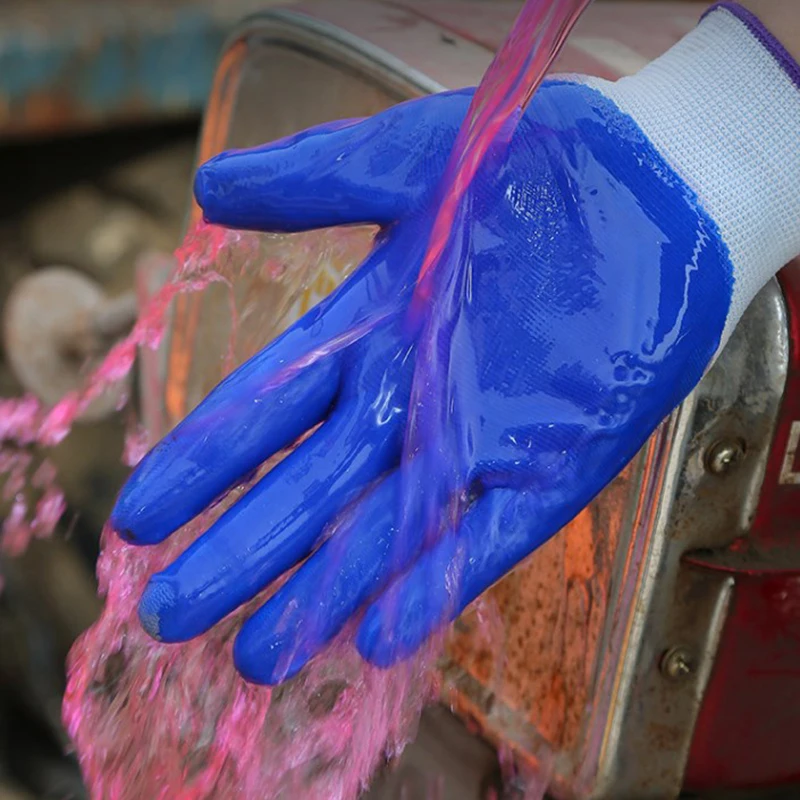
x: 724, y: 456
x: 677, y: 664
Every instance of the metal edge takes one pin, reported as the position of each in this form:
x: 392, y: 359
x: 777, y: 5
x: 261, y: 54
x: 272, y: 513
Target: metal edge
x: 343, y: 44
x: 660, y: 614
x: 643, y: 547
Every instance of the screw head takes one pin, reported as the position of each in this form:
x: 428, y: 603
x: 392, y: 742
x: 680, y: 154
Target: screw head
x: 677, y: 664
x: 724, y: 456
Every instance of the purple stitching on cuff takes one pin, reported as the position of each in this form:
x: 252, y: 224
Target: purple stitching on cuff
x: 761, y: 32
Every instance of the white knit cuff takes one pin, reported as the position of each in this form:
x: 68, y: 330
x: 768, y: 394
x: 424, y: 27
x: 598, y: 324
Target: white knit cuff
x: 723, y: 108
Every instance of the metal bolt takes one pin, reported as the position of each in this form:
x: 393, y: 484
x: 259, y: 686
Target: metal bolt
x: 724, y: 456
x: 677, y: 664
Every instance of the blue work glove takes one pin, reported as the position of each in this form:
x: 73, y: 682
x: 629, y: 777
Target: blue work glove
x: 601, y: 288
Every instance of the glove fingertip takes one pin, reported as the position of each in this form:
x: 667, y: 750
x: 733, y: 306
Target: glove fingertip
x: 383, y: 640
x: 140, y: 517
x: 370, y: 640
x: 265, y: 660
x: 126, y: 525
x: 158, y: 600
x: 207, y: 192
x: 420, y: 603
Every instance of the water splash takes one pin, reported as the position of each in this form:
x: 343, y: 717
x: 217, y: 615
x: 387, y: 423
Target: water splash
x: 513, y: 77
x: 155, y: 720
x: 29, y: 483
x: 161, y: 721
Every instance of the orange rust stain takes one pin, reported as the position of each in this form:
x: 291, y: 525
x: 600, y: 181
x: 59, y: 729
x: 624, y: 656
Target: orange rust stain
x: 220, y: 103
x: 551, y: 613
x: 187, y: 307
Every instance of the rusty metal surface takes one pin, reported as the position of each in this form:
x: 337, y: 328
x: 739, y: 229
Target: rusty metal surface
x: 650, y: 727
x: 543, y: 655
x: 73, y: 64
x: 664, y: 700
x: 738, y: 401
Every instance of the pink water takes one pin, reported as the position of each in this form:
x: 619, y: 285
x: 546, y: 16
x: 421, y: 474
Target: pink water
x: 432, y: 443
x: 516, y: 72
x: 161, y: 721
x: 30, y: 484
x: 165, y: 721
